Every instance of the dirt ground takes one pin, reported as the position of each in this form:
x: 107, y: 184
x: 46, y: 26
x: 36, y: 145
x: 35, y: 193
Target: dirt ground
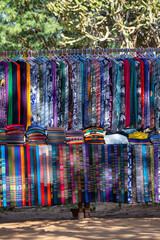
x: 107, y: 221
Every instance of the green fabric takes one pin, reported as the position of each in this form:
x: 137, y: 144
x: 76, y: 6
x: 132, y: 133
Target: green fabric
x: 10, y: 110
x: 133, y: 93
x: 92, y: 130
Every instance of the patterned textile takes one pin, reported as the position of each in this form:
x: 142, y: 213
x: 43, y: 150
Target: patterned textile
x: 129, y: 174
x: 36, y: 135
x: 2, y: 136
x: 146, y: 169
x: 55, y: 136
x: 3, y: 113
x: 15, y: 134
x: 156, y: 70
x: 74, y: 137
x: 94, y: 135
x: 48, y: 175
x: 76, y: 93
x: 127, y: 91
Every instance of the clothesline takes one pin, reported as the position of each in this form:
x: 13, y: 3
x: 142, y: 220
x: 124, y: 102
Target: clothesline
x: 83, y: 51
x: 76, y: 92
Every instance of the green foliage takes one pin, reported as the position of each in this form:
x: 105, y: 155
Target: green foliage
x: 123, y: 23
x: 45, y: 24
x: 27, y: 24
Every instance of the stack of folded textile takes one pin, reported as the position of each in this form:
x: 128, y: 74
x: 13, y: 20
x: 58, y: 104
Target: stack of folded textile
x: 36, y: 135
x: 74, y: 137
x: 138, y: 138
x: 15, y: 134
x: 56, y: 135
x: 2, y: 136
x: 94, y: 135
x: 155, y: 139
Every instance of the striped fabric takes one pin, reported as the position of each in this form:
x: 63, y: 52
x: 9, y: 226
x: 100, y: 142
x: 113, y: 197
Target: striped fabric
x: 47, y: 175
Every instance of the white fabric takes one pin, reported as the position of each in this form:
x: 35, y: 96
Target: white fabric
x: 115, y: 139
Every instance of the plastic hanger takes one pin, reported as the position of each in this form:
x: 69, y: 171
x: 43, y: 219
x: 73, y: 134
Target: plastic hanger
x: 116, y: 54
x: 106, y: 54
x: 7, y: 57
x: 78, y: 55
x: 82, y: 56
x: 67, y: 55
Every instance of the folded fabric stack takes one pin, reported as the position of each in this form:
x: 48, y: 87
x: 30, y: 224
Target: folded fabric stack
x: 56, y: 135
x: 74, y: 137
x: 115, y: 139
x: 2, y: 136
x: 36, y: 135
x: 94, y: 135
x: 15, y: 134
x: 155, y: 139
x: 138, y: 138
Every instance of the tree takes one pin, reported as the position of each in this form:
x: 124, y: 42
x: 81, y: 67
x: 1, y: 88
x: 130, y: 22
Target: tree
x: 119, y: 23
x: 27, y: 24
x: 45, y: 24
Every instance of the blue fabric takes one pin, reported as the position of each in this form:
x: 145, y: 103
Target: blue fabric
x: 145, y: 174
x: 103, y: 174
x: 54, y: 174
x: 16, y: 174
x: 32, y: 177
x: 3, y: 175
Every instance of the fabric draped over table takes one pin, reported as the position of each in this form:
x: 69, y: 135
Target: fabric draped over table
x: 48, y: 175
x: 60, y: 174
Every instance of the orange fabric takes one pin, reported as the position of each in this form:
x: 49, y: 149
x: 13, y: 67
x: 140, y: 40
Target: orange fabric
x: 28, y: 96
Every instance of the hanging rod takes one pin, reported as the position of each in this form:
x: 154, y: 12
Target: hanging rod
x: 84, y: 51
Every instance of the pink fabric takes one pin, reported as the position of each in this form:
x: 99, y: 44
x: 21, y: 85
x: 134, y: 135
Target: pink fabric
x: 127, y: 92
x: 98, y: 93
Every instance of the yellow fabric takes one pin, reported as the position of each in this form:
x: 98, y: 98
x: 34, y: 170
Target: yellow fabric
x: 138, y: 135
x: 28, y: 96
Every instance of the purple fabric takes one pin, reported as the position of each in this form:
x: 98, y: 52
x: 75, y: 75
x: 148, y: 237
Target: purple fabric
x: 5, y: 64
x: 19, y: 177
x: 116, y: 171
x: 97, y: 174
x: 7, y: 178
x: 110, y: 96
x: 106, y: 173
x: 88, y: 175
x: 74, y: 132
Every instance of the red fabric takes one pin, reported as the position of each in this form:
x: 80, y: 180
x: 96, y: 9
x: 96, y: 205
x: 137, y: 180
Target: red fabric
x: 41, y: 177
x: 61, y: 174
x: 29, y: 174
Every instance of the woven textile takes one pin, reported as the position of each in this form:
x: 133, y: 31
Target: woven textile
x: 59, y: 174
